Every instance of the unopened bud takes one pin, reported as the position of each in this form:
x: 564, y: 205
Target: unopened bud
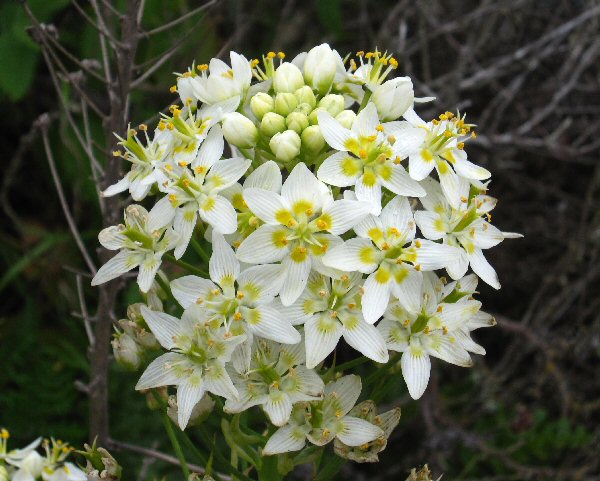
x: 297, y: 122
x: 320, y: 67
x: 346, y: 118
x: 272, y: 124
x: 261, y: 103
x: 239, y: 130
x: 305, y: 95
x: 126, y: 351
x: 285, y: 145
x: 312, y: 139
x: 333, y: 103
x: 393, y: 98
x: 285, y: 103
x: 287, y: 78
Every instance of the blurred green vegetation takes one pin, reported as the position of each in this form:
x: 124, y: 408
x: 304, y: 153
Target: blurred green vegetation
x: 43, y: 344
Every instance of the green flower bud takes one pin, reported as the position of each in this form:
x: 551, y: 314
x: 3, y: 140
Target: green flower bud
x: 346, y: 118
x: 285, y: 145
x: 304, y: 108
x: 261, y: 103
x: 127, y: 352
x: 272, y: 124
x: 306, y: 95
x: 313, y: 117
x: 297, y: 121
x: 319, y: 68
x: 312, y: 139
x: 239, y: 130
x: 333, y: 103
x: 285, y: 103
x: 287, y: 78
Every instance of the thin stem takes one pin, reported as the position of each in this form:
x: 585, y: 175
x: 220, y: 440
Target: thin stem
x: 350, y: 364
x: 365, y: 100
x: 200, y: 250
x: 176, y: 446
x: 185, y: 265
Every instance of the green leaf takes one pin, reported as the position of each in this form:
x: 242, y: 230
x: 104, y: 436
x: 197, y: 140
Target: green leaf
x: 18, y: 62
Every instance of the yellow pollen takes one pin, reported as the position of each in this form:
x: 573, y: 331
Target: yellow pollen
x: 186, y: 183
x: 281, y: 55
x: 444, y: 329
x: 443, y: 117
x: 385, y: 246
x: 170, y: 126
x: 363, y: 154
x: 364, y: 447
x: 418, y: 243
x: 237, y: 316
x: 322, y: 293
x: 372, y: 138
x: 326, y: 433
x: 333, y: 314
x: 161, y: 126
x: 182, y: 163
x: 271, y: 55
x: 461, y: 145
x: 321, y: 224
x: 463, y: 199
x: 417, y: 267
x: 4, y: 434
x: 215, y: 292
x: 309, y: 212
x: 199, y: 300
x: 202, y: 67
x: 380, y: 128
x: 393, y: 62
x: 440, y: 308
x: 447, y: 133
x: 117, y: 153
x: 351, y: 306
x: 143, y: 127
x: 173, y: 89
x: 426, y: 330
x: 344, y: 278
x: 391, y: 139
x: 435, y: 122
x: 240, y: 295
x: 360, y: 53
x: 172, y: 198
x: 339, y: 413
x: 406, y: 322
x: 254, y: 63
x: 210, y: 343
x: 474, y: 135
x: 369, y: 55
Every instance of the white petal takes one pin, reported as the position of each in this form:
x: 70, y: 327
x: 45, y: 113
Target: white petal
x: 340, y: 169
x: 469, y: 170
x: 408, y: 138
x: 456, y: 315
x: 220, y: 214
x: 295, y: 280
x: 260, y: 247
x: 309, y: 384
x: 401, y: 183
x: 366, y: 121
x: 322, y: 335
x: 398, y: 214
x: 419, y: 166
x: 217, y: 381
x: 211, y: 149
x: 483, y: 269
x: 278, y: 408
x: 372, y: 195
x: 267, y: 176
x: 266, y: 204
x: 458, y: 266
x: 347, y: 390
x: 160, y: 372
x: 188, y: 289
x: 184, y: 224
x: 367, y: 340
x: 302, y: 185
x: 123, y: 262
x: 485, y: 234
x: 112, y: 238
x: 267, y: 322
x: 449, y: 349
x: 342, y: 215
x: 354, y: 255
x: 161, y: 214
x: 450, y: 185
x: 223, y: 266
x: 261, y: 283
x: 434, y: 200
x: 358, y: 431
x: 333, y: 132
x: 164, y: 326
x: 415, y: 370
x: 431, y: 255
x: 121, y: 186
x: 226, y: 172
x: 431, y: 224
x: 378, y: 287
x: 148, y: 269
x: 285, y: 439
x: 409, y: 290
x: 188, y: 395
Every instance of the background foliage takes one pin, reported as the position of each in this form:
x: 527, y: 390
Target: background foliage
x: 526, y: 72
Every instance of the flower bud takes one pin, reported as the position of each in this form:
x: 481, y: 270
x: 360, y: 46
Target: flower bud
x: 304, y: 108
x: 313, y: 118
x: 285, y: 145
x: 272, y: 124
x: 312, y: 139
x: 287, y: 78
x: 126, y: 350
x: 307, y: 96
x: 297, y: 121
x: 346, y: 118
x: 157, y: 398
x: 333, y: 103
x: 239, y: 130
x: 319, y: 68
x: 393, y: 98
x: 285, y: 103
x: 261, y: 103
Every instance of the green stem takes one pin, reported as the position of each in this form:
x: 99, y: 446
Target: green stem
x: 176, y: 446
x: 186, y: 265
x: 200, y: 250
x: 365, y: 100
x: 350, y: 364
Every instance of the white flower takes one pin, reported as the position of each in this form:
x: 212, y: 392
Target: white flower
x: 148, y: 163
x: 367, y: 158
x: 374, y: 68
x: 223, y: 82
x: 66, y: 472
x: 194, y: 190
x: 330, y: 309
x: 320, y: 66
x: 393, y: 97
x: 243, y: 308
x: 15, y: 456
x: 196, y: 359
x: 275, y: 379
x: 385, y: 248
x: 139, y: 245
x: 439, y: 144
x: 323, y: 421
x: 288, y: 78
x: 301, y: 225
x: 29, y: 468
x: 463, y: 227
x: 435, y: 328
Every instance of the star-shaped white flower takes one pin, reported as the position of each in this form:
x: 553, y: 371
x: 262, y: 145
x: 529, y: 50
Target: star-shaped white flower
x: 301, y: 225
x: 368, y: 158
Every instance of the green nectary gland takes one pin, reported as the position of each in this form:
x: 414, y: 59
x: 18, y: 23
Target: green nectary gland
x: 420, y: 323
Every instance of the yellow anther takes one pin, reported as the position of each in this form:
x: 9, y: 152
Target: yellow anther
x: 385, y: 246
x: 418, y: 243
x: 281, y: 55
x: 440, y: 309
x: 237, y: 316
x: 363, y: 154
x: 351, y: 306
x: 182, y: 163
x: 444, y: 330
x: 291, y: 223
x: 309, y: 212
x: 417, y: 267
x: 380, y: 128
x: 369, y: 55
x: 4, y: 434
x: 117, y: 153
x: 463, y: 199
x: 161, y: 126
x: 435, y: 122
x: 322, y: 293
x: 449, y: 114
x: 199, y: 301
x: 143, y: 127
x: 372, y: 138
x: 170, y: 126
x: 215, y: 292
x: 391, y: 139
x: 443, y: 117
x: 489, y: 217
x: 472, y: 232
x: 326, y: 433
x: 186, y: 183
x: 393, y: 62
x: 360, y: 53
x: 210, y: 343
x: 394, y: 231
x: 426, y: 330
x: 254, y: 63
x: 172, y: 198
x: 353, y: 65
x: 461, y: 145
x: 406, y: 323
x: 202, y: 67
x: 447, y: 133
x: 361, y: 291
x: 333, y: 314
x: 474, y: 135
x: 344, y: 278
x: 321, y: 224
x: 240, y: 295
x: 339, y: 413
x: 462, y: 132
x: 188, y: 101
x: 271, y: 55
x: 173, y: 89
x: 365, y: 446
x: 200, y: 169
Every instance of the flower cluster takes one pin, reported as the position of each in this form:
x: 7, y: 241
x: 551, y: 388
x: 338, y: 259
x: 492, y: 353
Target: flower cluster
x: 27, y: 464
x: 318, y: 206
